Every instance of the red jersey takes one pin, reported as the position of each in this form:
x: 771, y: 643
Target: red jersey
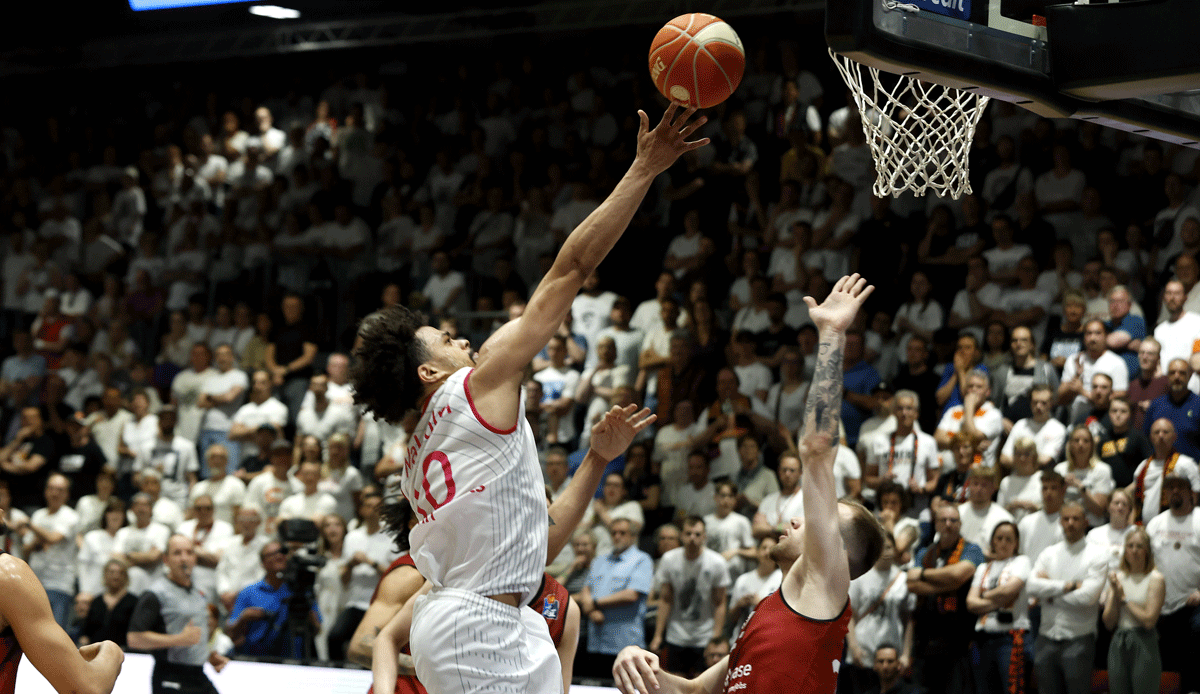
x: 10, y: 657
x: 404, y: 684
x: 551, y: 603
x: 781, y: 651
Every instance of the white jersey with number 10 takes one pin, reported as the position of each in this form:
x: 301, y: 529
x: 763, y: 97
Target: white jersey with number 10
x: 478, y: 495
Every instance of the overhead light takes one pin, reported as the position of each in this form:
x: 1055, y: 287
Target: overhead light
x: 274, y: 12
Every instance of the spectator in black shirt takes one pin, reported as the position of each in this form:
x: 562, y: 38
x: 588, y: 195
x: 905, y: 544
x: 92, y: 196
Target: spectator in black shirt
x: 1123, y: 445
x: 915, y: 375
x: 27, y: 460
x: 252, y: 466
x: 290, y: 355
x: 1064, y: 335
x: 952, y: 486
x: 81, y: 460
x: 109, y: 613
x: 770, y: 342
x: 55, y: 412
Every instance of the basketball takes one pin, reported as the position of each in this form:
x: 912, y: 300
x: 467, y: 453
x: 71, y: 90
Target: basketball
x: 697, y: 59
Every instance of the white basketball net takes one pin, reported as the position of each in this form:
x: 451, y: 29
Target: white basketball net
x: 920, y: 133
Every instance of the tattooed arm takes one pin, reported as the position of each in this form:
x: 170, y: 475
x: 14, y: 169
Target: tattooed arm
x: 817, y: 584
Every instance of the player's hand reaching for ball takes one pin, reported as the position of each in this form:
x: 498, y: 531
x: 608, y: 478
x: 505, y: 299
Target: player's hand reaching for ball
x: 658, y: 149
x: 616, y: 429
x: 635, y: 671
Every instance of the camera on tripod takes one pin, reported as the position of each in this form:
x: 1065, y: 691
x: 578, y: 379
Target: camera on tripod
x: 299, y: 538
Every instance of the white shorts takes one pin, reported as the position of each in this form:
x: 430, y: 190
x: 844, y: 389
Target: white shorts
x: 463, y: 643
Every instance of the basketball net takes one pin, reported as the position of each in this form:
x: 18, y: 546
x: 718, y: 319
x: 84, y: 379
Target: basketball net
x: 920, y: 133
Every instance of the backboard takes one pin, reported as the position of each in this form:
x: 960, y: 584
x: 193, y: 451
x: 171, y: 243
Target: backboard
x: 1126, y: 65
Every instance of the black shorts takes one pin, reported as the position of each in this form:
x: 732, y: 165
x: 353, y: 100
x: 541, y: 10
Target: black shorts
x: 171, y: 678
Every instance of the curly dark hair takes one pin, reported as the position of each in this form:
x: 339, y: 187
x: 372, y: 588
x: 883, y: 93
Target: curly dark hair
x: 395, y: 514
x: 384, y: 374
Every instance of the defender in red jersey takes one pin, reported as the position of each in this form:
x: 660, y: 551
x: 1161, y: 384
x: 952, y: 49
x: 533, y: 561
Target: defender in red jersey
x: 27, y: 624
x: 792, y: 642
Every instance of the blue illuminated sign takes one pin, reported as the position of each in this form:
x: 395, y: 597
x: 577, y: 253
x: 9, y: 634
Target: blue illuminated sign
x: 139, y: 5
x: 959, y: 9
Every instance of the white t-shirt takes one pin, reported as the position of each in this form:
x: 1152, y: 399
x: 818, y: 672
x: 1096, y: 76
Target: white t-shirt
x: 363, y: 578
x: 334, y: 418
x: 1178, y: 339
x: 1016, y: 487
x: 94, y: 553
x: 220, y: 417
x: 1107, y: 363
x: 693, y: 582
x: 55, y: 565
x: 268, y: 492
x: 749, y: 583
x: 1176, y: 545
x: 134, y: 539
x: 590, y: 315
x: 1112, y: 540
x: 994, y: 574
x: 696, y: 502
x: 988, y: 421
x: 885, y: 624
x: 185, y: 389
x: 978, y: 527
x: 683, y: 248
x: 911, y: 457
x: 1096, y: 479
x: 307, y: 505
x: 1049, y: 437
x: 227, y: 494
x: 211, y: 540
x: 439, y: 288
x: 1038, y: 531
x: 173, y: 459
x: 1001, y: 260
x: 780, y: 508
x: 731, y: 532
x: 560, y: 383
x: 342, y: 485
x: 240, y: 565
x: 254, y: 415
x: 845, y: 468
x: 752, y: 378
x: 1152, y: 498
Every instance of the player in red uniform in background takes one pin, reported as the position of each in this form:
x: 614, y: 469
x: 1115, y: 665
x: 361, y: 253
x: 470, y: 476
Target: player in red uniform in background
x: 793, y: 640
x: 27, y: 624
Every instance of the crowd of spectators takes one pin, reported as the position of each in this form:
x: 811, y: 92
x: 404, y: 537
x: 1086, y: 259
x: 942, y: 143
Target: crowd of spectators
x: 181, y: 303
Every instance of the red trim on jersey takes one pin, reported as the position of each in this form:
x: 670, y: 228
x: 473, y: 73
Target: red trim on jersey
x: 471, y: 402
x: 551, y: 602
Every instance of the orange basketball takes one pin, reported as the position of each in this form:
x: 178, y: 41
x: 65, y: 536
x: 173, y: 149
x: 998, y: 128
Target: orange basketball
x: 697, y: 59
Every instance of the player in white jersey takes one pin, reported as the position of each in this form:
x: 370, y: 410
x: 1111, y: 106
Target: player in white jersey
x: 471, y: 471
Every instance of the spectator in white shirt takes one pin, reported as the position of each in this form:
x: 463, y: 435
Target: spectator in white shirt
x: 210, y: 535
x: 227, y: 492
x: 1147, y: 485
x: 883, y: 610
x: 371, y: 551
x: 980, y: 515
x: 1048, y: 434
x: 237, y: 569
x: 976, y: 417
x: 1112, y: 534
x: 1075, y: 390
x: 163, y: 510
x: 339, y: 478
x: 446, y: 289
x: 261, y: 408
x: 1067, y: 578
x: 694, y: 582
x: 1089, y: 479
x: 321, y: 417
x: 171, y: 456
x: 1133, y: 607
x: 310, y: 502
x: 1041, y: 529
x: 142, y: 544
x: 697, y: 496
x: 221, y: 395
x: 1178, y: 332
x: 186, y: 389
x: 51, y: 549
x: 1175, y: 538
x: 998, y: 596
x: 1021, y: 491
x: 778, y: 508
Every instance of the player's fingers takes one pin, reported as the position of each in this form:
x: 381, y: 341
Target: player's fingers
x: 681, y: 122
x: 859, y: 286
x: 643, y: 123
x: 649, y: 418
x: 647, y: 667
x: 669, y: 114
x: 625, y: 682
x: 692, y: 127
x: 866, y: 292
x: 695, y: 144
x: 811, y: 302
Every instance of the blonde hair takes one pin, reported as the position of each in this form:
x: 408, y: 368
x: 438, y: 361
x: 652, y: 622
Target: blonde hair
x: 1137, y: 531
x: 1093, y: 458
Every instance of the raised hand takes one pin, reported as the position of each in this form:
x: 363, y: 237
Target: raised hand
x: 616, y: 429
x: 838, y: 309
x: 659, y: 148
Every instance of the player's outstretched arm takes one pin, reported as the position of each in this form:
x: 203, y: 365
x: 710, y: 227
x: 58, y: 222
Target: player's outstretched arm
x: 610, y: 437
x: 386, y: 659
x: 394, y: 590
x: 89, y: 670
x: 637, y: 671
x: 823, y: 569
x: 504, y: 356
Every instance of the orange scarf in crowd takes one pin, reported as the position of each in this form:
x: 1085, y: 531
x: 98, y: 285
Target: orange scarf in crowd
x: 1140, y: 490
x: 946, y: 602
